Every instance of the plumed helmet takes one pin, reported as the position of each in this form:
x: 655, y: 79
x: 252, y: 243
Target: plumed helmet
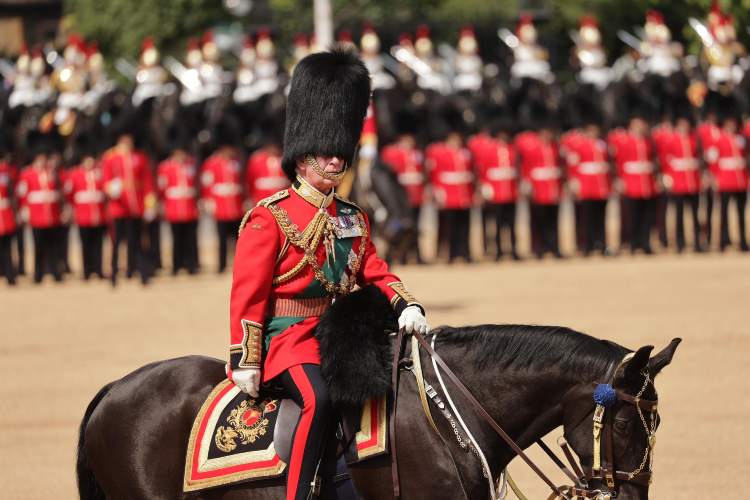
x: 326, y: 107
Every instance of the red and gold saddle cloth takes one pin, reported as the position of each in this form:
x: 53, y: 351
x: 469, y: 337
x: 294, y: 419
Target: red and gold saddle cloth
x: 232, y: 438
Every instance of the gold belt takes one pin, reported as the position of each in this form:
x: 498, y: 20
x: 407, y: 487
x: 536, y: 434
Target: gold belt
x: 301, y: 307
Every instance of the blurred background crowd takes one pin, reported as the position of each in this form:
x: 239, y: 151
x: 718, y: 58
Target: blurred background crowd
x: 126, y: 120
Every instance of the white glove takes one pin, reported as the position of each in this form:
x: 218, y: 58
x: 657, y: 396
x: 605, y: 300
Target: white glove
x: 412, y: 320
x: 247, y: 379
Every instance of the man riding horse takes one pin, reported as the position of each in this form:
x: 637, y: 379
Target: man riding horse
x: 301, y: 248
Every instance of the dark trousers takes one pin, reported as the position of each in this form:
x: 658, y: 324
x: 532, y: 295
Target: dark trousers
x: 227, y: 230
x: 591, y: 226
x: 92, y: 239
x: 501, y: 216
x: 184, y: 246
x: 740, y: 200
x: 660, y: 218
x: 640, y: 212
x: 456, y: 230
x: 64, y: 241
x: 20, y: 245
x: 708, y: 223
x: 129, y: 230
x: 154, y: 243
x: 443, y: 234
x: 692, y: 201
x: 306, y: 387
x: 7, y: 268
x: 47, y: 253
x: 544, y: 237
x: 413, y: 247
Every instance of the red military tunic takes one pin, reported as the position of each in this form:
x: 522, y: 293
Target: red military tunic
x: 7, y: 215
x: 726, y: 161
x: 84, y: 188
x: 681, y: 168
x: 264, y: 176
x: 661, y: 135
x: 38, y: 192
x: 632, y: 156
x: 128, y: 183
x: 177, y: 186
x: 221, y: 188
x: 495, y: 167
x: 586, y: 158
x: 540, y: 166
x: 451, y: 175
x: 408, y: 165
x: 707, y: 134
x: 278, y: 294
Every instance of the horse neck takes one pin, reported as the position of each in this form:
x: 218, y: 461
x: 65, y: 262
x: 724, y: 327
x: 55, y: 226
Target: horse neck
x: 527, y: 403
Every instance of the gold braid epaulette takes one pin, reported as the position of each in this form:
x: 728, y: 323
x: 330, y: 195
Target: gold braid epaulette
x: 265, y: 202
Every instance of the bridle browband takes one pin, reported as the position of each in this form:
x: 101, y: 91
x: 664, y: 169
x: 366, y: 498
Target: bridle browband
x: 602, y: 427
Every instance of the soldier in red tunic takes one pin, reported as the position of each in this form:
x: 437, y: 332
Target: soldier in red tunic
x: 542, y: 173
x: 728, y: 166
x: 449, y: 165
x: 84, y: 189
x: 302, y: 247
x: 633, y: 155
x: 177, y: 182
x: 221, y: 196
x: 407, y: 161
x: 40, y: 200
x: 589, y: 182
x: 496, y: 168
x: 682, y: 179
x: 131, y: 200
x: 8, y: 224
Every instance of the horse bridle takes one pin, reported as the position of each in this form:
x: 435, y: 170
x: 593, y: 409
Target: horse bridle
x: 605, y: 397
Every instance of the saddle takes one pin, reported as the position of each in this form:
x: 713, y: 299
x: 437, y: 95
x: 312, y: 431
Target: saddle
x: 236, y: 438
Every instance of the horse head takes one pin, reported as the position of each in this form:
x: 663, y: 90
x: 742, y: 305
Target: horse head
x: 612, y: 426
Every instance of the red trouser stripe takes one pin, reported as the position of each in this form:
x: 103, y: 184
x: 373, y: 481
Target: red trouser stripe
x: 303, y: 428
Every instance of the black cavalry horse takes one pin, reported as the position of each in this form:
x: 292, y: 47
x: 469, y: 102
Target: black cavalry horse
x: 531, y: 379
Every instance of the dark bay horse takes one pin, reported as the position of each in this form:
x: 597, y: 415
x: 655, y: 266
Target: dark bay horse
x: 531, y: 379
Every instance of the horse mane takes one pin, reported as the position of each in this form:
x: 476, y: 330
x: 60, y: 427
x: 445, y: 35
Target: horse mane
x: 520, y: 347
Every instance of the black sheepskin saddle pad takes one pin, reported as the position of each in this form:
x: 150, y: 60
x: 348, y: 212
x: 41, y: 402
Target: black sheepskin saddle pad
x: 355, y: 349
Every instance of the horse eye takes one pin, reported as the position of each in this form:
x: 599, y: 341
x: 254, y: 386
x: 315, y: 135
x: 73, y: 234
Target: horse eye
x: 621, y: 425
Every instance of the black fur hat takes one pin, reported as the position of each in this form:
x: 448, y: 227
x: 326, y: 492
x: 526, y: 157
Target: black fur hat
x: 326, y: 108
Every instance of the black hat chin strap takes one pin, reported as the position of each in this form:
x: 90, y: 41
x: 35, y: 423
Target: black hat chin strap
x: 313, y: 163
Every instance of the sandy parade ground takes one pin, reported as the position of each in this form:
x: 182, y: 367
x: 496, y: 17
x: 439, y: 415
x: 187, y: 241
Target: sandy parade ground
x: 62, y: 342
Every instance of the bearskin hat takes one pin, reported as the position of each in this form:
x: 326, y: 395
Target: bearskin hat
x: 326, y: 107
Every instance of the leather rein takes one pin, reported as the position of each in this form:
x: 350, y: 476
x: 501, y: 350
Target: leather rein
x: 579, y: 475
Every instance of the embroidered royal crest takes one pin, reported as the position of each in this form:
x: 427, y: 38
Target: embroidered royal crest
x: 247, y: 422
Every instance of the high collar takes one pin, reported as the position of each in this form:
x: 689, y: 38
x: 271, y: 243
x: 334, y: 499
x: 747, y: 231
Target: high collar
x: 310, y: 194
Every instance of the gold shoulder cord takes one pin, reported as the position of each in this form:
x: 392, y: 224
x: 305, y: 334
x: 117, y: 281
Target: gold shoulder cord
x: 308, y: 241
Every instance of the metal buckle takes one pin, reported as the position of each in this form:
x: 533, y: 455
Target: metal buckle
x: 315, y: 486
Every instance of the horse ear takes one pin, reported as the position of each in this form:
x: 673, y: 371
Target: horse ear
x: 663, y: 358
x: 638, y: 363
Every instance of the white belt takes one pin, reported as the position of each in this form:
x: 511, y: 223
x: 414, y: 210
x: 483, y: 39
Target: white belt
x: 225, y: 189
x: 638, y: 167
x: 43, y: 196
x: 88, y: 197
x: 545, y: 173
x: 731, y: 163
x: 180, y: 192
x: 593, y: 167
x: 410, y: 178
x: 501, y: 173
x: 267, y: 183
x: 684, y: 164
x: 452, y: 178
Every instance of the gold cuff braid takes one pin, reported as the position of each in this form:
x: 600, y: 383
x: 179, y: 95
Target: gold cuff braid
x: 402, y: 293
x: 252, y: 336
